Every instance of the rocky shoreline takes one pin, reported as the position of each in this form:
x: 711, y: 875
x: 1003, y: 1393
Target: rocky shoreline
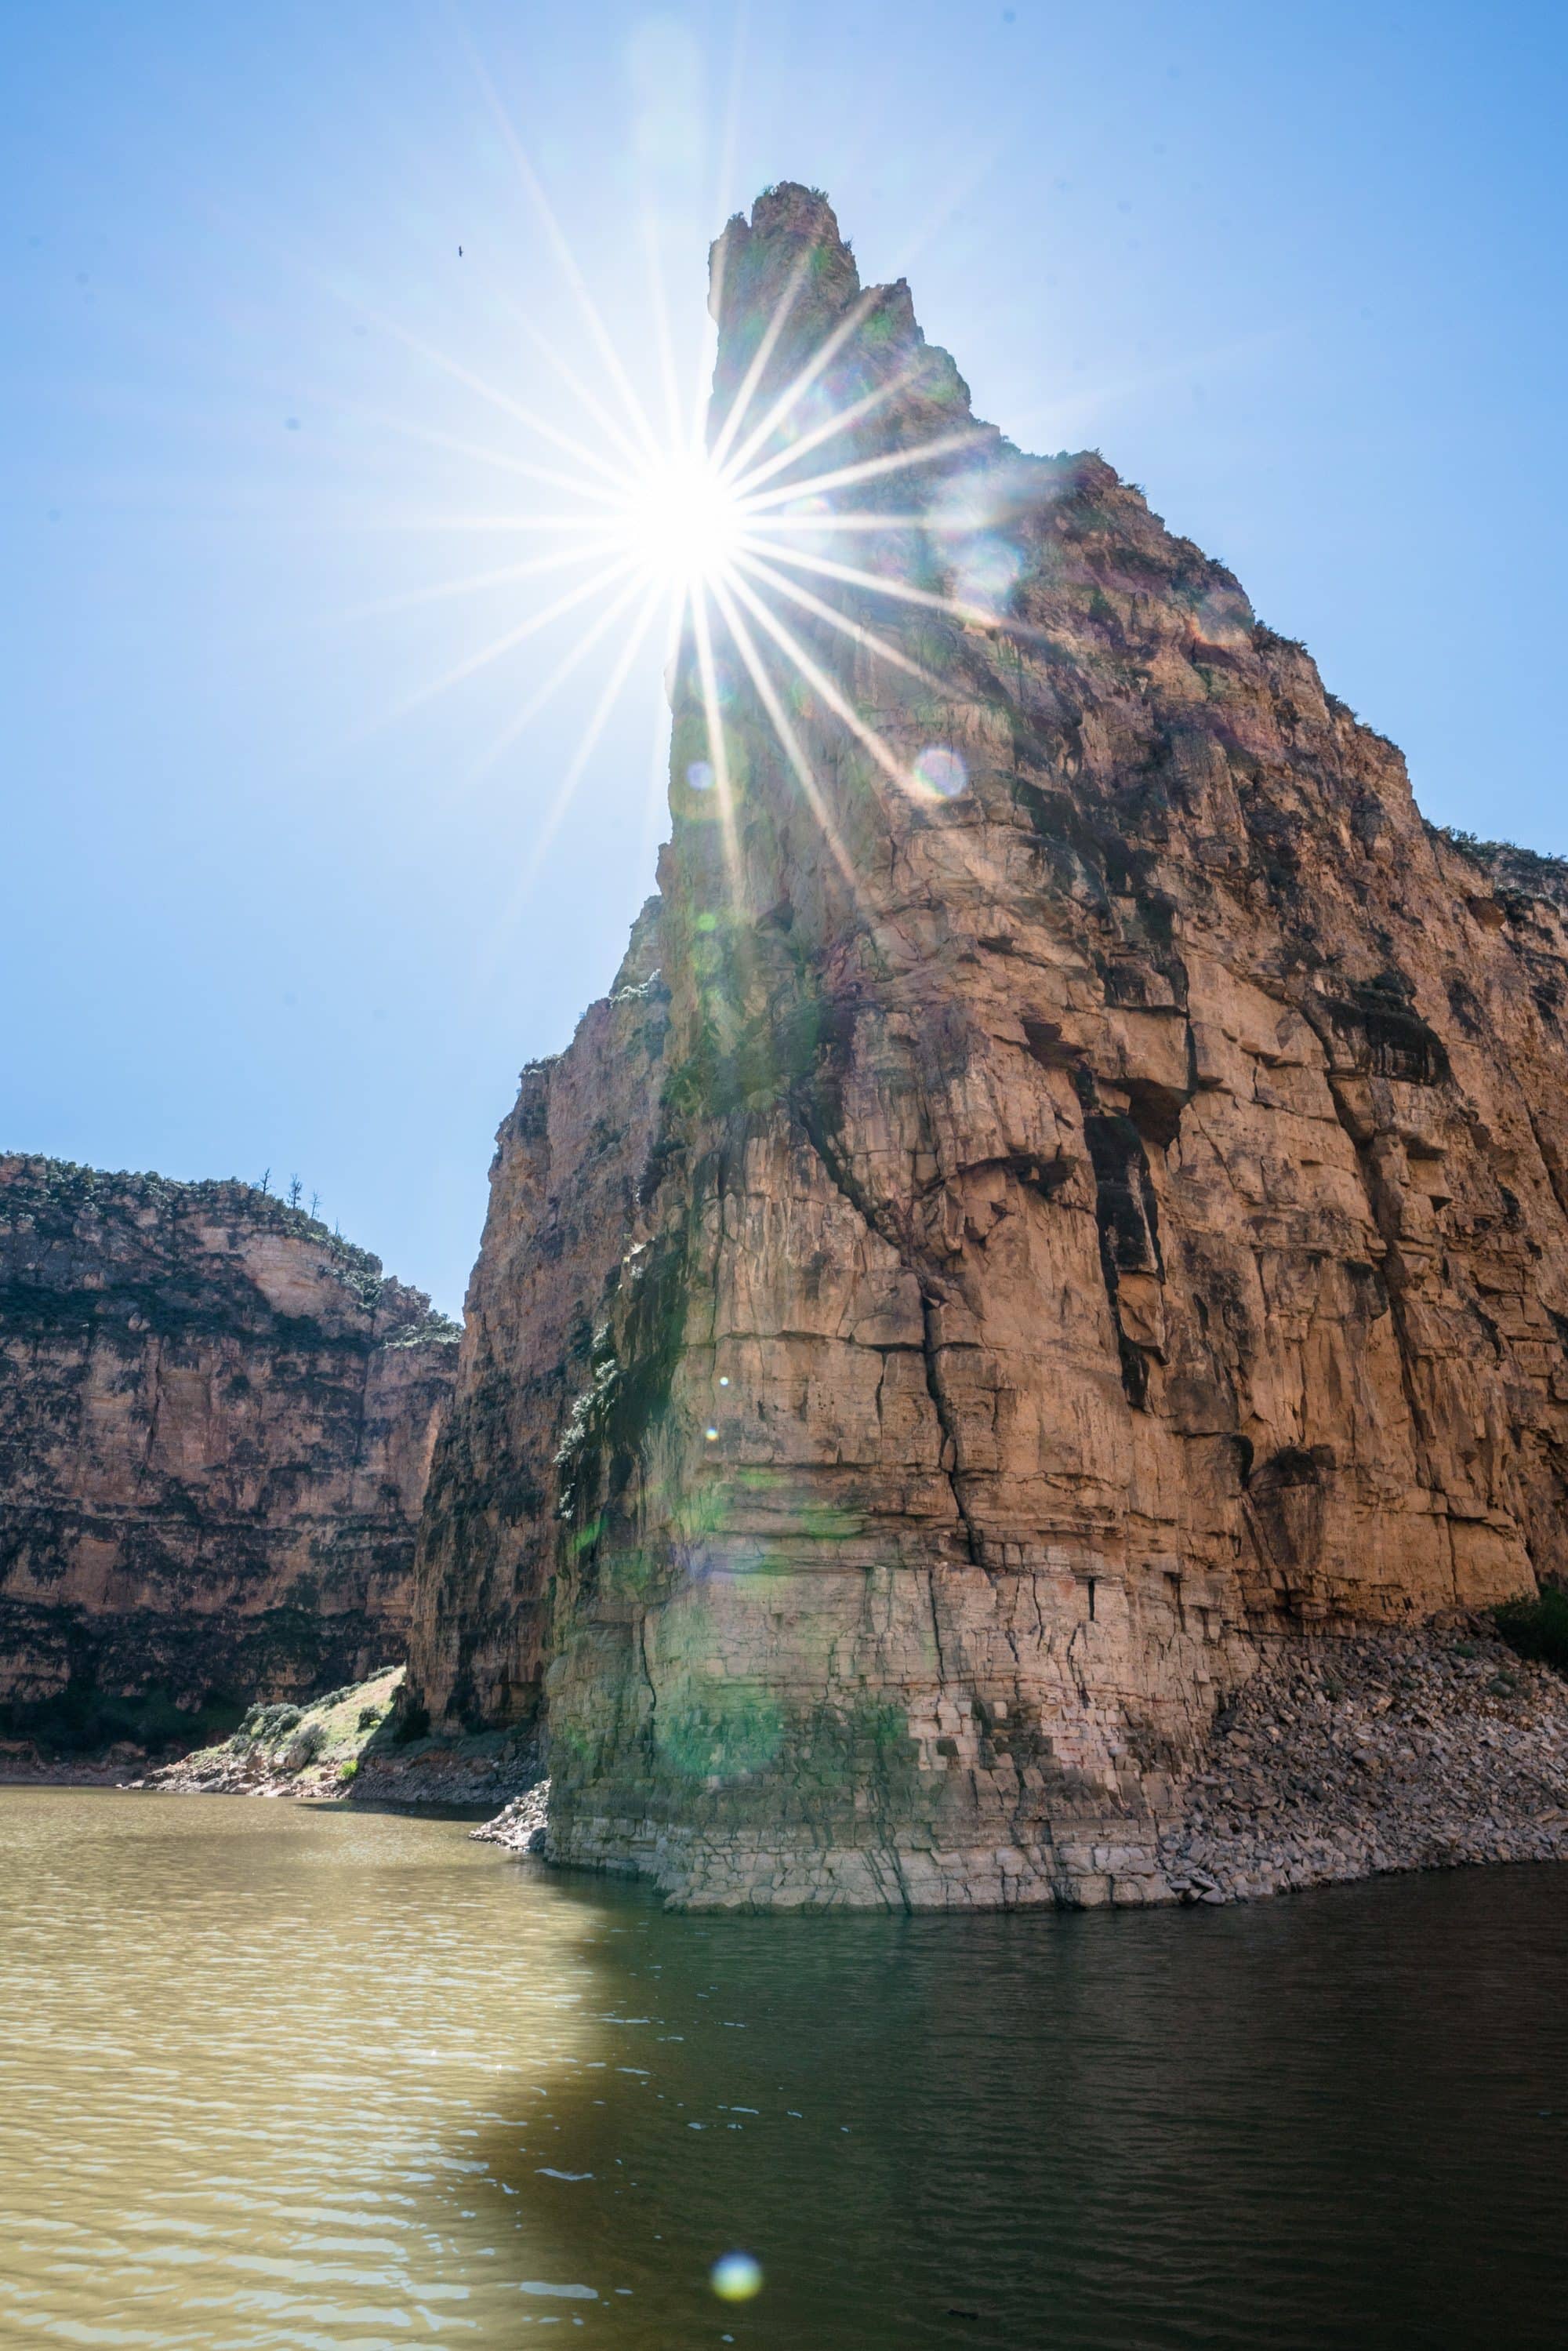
x: 22, y: 1765
x: 351, y: 1747
x: 521, y: 1827
x: 1344, y: 1759
x: 1340, y: 1759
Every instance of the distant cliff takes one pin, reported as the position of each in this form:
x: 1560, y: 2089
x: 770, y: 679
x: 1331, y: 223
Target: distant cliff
x: 215, y: 1425
x: 1069, y: 1195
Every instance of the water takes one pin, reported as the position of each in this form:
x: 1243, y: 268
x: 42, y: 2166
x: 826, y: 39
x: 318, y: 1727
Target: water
x: 273, y: 2077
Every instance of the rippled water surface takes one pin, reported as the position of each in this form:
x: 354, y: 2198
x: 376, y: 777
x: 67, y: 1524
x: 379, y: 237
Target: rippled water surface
x: 272, y: 2076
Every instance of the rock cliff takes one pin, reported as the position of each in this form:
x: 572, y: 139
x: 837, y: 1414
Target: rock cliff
x: 215, y: 1426
x: 1068, y: 1195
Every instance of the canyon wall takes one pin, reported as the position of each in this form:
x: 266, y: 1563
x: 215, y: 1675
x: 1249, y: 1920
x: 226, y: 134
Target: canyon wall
x: 1068, y: 1193
x: 215, y: 1425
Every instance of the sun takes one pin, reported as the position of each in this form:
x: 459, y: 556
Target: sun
x: 684, y: 524
x: 733, y: 532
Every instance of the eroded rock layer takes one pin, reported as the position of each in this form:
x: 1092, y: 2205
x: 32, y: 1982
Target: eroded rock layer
x: 215, y: 1426
x: 1069, y: 1192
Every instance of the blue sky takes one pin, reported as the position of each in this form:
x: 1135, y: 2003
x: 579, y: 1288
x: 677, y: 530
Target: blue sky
x: 269, y: 902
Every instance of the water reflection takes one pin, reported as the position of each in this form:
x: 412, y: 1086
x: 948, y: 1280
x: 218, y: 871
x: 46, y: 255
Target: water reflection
x: 281, y: 2078
x: 1319, y: 2123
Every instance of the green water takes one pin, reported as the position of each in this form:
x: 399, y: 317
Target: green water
x: 279, y: 2077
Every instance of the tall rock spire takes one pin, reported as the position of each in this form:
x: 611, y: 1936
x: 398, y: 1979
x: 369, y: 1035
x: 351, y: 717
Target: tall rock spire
x: 1070, y: 1192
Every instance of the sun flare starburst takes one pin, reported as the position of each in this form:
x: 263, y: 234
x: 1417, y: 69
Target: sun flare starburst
x: 775, y: 535
x: 685, y: 525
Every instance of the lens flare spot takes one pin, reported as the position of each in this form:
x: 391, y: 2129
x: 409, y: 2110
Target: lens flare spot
x: 940, y: 771
x: 724, y: 1379
x: 699, y: 776
x: 712, y: 1436
x: 736, y: 2277
x: 986, y: 572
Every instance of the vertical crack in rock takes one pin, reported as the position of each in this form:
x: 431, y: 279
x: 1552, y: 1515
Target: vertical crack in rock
x: 932, y: 1298
x: 936, y: 1627
x: 948, y: 1424
x: 1385, y: 1217
x: 1127, y: 1221
x: 1554, y: 1175
x: 647, y: 1675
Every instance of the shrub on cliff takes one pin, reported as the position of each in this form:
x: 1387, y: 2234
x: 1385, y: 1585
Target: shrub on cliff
x: 1537, y: 1628
x: 305, y: 1746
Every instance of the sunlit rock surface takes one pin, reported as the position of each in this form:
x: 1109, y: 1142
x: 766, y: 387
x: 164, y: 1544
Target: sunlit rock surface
x: 1005, y: 1259
x: 215, y: 1426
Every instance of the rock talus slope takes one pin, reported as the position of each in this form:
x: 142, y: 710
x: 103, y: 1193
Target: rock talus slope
x: 215, y: 1426
x: 1004, y: 1259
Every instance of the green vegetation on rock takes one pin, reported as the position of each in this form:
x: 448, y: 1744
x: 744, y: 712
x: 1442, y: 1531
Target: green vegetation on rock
x: 1537, y: 1628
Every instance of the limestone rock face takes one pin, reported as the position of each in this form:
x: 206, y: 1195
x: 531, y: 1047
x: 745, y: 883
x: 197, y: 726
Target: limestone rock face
x: 564, y: 1191
x: 215, y: 1426
x: 1083, y: 1201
